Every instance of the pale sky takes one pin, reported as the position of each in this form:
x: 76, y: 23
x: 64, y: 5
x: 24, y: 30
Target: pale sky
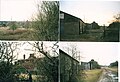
x: 17, y: 10
x: 102, y: 52
x: 92, y: 10
x: 27, y: 49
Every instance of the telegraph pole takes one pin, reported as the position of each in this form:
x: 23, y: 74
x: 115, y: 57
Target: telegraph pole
x: 79, y: 56
x: 84, y: 18
x: 0, y: 9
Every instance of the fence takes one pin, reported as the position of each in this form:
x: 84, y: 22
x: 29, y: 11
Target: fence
x: 111, y: 34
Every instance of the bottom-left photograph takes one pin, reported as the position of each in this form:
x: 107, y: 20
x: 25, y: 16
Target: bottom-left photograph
x: 34, y: 61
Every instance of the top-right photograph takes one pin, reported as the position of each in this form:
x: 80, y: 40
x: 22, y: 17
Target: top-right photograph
x: 90, y: 21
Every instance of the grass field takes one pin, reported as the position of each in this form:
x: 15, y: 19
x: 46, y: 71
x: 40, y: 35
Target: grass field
x: 92, y: 35
x: 19, y: 34
x: 114, y: 69
x: 83, y: 37
x: 93, y: 75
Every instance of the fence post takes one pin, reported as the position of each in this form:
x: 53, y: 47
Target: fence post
x: 30, y: 77
x: 104, y: 32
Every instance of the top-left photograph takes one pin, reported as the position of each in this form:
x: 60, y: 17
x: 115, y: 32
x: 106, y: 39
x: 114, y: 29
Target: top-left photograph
x: 29, y: 20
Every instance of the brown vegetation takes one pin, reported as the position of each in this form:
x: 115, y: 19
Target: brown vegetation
x: 19, y: 34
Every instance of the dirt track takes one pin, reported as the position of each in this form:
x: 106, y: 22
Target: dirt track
x: 107, y: 76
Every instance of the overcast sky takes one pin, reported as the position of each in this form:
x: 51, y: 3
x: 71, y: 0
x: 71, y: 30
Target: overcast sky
x: 27, y: 49
x: 18, y: 10
x: 100, y: 11
x: 102, y: 52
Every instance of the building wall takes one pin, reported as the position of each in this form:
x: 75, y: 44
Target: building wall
x: 71, y: 28
x: 71, y: 25
x: 68, y: 66
x: 82, y: 27
x: 85, y: 65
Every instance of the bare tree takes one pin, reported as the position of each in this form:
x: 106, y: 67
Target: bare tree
x: 117, y: 18
x: 48, y: 65
x: 46, y: 21
x: 7, y: 57
x: 13, y: 25
x: 75, y: 75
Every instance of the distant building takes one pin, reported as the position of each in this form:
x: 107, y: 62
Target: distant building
x: 92, y: 25
x: 114, y: 26
x: 95, y: 25
x: 88, y: 26
x: 30, y: 63
x: 90, y: 65
x: 3, y: 23
x: 112, y: 32
x: 23, y: 24
x: 85, y: 65
x: 70, y: 25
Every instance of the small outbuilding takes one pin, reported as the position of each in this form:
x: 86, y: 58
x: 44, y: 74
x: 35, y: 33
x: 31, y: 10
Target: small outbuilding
x: 71, y: 25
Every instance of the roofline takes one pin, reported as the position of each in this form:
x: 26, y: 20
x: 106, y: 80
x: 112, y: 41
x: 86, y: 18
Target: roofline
x: 68, y: 55
x: 72, y: 15
x: 85, y: 62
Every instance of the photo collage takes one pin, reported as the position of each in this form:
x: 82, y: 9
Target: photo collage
x: 59, y: 41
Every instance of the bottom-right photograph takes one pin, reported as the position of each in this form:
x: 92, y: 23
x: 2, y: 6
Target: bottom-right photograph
x: 88, y: 61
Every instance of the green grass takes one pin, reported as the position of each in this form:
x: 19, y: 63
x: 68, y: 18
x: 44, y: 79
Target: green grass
x: 94, y: 35
x: 82, y: 37
x: 93, y: 75
x: 91, y: 35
